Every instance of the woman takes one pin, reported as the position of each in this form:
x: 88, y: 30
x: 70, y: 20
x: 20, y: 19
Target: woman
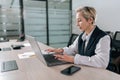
x: 92, y: 47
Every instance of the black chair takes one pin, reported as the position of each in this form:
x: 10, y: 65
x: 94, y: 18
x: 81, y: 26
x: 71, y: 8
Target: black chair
x: 116, y: 45
x: 115, y: 53
x: 116, y: 41
x: 72, y: 39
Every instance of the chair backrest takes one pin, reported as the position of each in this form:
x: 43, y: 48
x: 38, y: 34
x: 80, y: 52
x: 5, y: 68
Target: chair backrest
x: 114, y: 52
x: 117, y: 36
x: 110, y: 34
x: 72, y: 39
x: 116, y: 41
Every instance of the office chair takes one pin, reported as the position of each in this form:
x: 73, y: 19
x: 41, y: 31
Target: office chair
x: 116, y: 41
x: 115, y: 53
x: 72, y: 39
x: 116, y: 45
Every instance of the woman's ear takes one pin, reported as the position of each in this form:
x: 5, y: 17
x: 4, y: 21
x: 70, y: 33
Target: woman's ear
x: 90, y: 20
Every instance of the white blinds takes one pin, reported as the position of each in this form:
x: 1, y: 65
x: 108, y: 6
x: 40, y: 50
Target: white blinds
x: 59, y: 21
x: 9, y: 22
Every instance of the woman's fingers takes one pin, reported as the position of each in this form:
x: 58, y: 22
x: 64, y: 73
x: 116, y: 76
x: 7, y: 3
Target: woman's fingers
x: 57, y: 56
x: 64, y: 57
x: 49, y: 50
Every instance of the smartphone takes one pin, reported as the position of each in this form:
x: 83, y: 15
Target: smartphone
x: 70, y: 70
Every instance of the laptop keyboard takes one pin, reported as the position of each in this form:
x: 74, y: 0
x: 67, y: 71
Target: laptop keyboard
x: 9, y: 66
x: 50, y: 58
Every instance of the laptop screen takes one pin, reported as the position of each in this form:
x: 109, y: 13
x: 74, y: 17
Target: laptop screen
x: 36, y: 48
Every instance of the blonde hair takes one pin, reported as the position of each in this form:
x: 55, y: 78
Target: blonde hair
x: 87, y: 12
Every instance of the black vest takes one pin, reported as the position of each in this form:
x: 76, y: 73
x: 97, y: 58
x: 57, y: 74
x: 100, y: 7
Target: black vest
x: 91, y: 46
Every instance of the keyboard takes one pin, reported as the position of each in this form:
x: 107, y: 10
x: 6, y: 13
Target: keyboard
x: 50, y: 58
x: 9, y: 66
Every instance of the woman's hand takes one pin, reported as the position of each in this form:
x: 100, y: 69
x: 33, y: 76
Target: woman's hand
x: 58, y: 50
x: 62, y: 57
x: 65, y: 57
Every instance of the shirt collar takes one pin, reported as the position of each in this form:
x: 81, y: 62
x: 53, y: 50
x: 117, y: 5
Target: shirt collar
x: 87, y: 37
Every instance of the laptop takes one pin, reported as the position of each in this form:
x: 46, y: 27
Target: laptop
x: 47, y: 59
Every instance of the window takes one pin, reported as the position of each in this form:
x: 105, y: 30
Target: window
x: 9, y: 19
x: 57, y: 32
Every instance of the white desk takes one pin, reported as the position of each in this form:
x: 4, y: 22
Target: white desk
x: 34, y: 69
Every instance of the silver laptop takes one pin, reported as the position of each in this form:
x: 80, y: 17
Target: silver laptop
x: 47, y: 59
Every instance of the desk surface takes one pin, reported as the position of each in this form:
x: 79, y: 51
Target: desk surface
x: 34, y: 69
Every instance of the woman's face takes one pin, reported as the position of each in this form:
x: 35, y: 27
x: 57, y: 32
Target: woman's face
x: 81, y: 22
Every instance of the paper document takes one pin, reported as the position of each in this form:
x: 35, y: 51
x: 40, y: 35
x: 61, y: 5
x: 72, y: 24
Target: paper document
x: 26, y: 44
x: 26, y: 55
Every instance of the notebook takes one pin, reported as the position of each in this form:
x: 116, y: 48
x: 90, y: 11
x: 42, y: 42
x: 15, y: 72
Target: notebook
x: 47, y: 59
x: 9, y: 66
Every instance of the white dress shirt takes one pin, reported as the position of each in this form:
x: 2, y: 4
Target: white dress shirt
x: 102, y: 52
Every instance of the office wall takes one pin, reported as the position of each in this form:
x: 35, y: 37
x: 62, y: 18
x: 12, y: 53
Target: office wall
x: 108, y: 13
